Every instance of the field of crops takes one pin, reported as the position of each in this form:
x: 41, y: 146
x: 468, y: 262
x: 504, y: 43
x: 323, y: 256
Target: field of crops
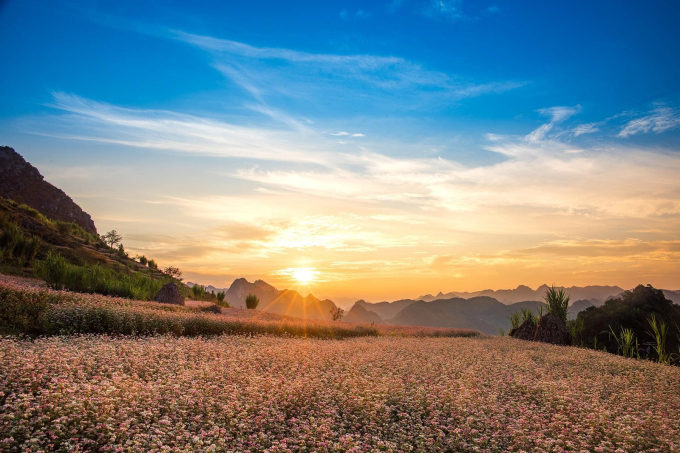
x: 28, y: 308
x: 236, y: 393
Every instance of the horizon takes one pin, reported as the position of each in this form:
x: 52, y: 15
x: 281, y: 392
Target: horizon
x: 375, y: 151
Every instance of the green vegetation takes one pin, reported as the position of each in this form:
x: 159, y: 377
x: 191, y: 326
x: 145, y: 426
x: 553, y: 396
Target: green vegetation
x: 60, y: 274
x: 220, y: 300
x: 112, y: 238
x: 252, y: 301
x: 16, y: 247
x: 198, y: 292
x: 660, y: 335
x: 625, y: 325
x: 152, y: 265
x: 143, y: 260
x: 557, y: 302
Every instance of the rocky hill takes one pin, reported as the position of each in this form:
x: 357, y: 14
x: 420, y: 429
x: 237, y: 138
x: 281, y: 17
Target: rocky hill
x: 282, y: 302
x: 23, y: 183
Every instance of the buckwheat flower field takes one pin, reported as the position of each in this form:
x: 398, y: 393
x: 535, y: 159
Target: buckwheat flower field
x: 273, y: 394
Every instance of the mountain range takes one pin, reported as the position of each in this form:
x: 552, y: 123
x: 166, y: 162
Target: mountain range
x: 522, y: 292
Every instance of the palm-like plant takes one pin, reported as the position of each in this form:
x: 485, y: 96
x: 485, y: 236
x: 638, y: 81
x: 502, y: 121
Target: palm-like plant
x: 558, y: 302
x: 659, y: 333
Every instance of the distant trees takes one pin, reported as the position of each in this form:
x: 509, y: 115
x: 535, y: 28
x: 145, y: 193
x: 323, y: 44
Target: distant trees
x: 337, y: 313
x: 112, y: 238
x: 173, y: 272
x: 220, y: 299
x: 252, y: 301
x: 636, y: 324
x: 152, y: 265
x: 143, y: 260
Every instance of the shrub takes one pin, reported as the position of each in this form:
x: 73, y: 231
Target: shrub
x: 143, y: 260
x: 659, y: 333
x: 152, y: 265
x: 198, y: 292
x: 557, y: 302
x: 220, y: 299
x: 252, y: 301
x: 626, y: 341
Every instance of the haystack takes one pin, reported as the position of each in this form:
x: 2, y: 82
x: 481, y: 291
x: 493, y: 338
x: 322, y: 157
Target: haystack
x: 169, y: 294
x: 551, y: 329
x: 212, y: 309
x: 525, y: 331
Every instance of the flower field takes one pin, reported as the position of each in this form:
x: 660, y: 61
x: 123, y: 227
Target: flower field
x: 266, y: 393
x: 29, y: 309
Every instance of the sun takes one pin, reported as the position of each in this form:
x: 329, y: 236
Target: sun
x: 304, y: 275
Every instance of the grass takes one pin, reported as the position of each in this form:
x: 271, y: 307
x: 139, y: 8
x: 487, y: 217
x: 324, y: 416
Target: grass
x: 26, y: 310
x: 16, y: 247
x: 60, y: 274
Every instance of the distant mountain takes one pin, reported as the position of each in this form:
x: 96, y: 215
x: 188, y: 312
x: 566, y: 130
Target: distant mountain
x: 386, y: 310
x: 673, y: 296
x: 522, y: 292
x: 580, y: 305
x: 283, y: 302
x: 359, y: 313
x: 482, y: 313
x: 23, y: 183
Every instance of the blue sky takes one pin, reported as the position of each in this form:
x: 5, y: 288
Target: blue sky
x: 321, y: 104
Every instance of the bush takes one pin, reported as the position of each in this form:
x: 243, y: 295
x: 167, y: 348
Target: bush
x: 337, y: 313
x: 143, y: 260
x: 152, y: 265
x: 252, y: 301
x: 198, y: 292
x: 220, y: 300
x: 95, y: 279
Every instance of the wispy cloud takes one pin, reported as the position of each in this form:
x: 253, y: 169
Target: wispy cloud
x: 658, y: 120
x: 295, y: 75
x: 557, y: 115
x: 448, y: 9
x: 588, y: 128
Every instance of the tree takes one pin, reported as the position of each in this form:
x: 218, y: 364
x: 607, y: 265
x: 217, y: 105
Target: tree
x: 252, y: 301
x: 173, y: 272
x: 112, y: 238
x: 337, y: 313
x: 143, y: 260
x: 153, y: 265
x: 220, y: 297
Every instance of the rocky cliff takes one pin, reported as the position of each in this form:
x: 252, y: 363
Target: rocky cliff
x: 23, y: 183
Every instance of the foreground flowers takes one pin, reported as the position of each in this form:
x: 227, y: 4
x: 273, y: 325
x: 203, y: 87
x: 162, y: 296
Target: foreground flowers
x: 232, y: 393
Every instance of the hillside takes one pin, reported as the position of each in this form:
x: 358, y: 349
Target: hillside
x: 23, y: 183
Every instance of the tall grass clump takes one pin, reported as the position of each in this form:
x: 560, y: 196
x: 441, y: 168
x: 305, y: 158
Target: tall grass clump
x: 558, y: 302
x: 60, y: 274
x: 627, y: 343
x: 659, y: 333
x: 17, y: 246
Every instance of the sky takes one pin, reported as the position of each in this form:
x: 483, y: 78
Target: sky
x: 375, y: 150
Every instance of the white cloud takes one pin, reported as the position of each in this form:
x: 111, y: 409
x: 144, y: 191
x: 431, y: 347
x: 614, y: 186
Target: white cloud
x: 658, y: 120
x: 557, y: 115
x: 588, y: 128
